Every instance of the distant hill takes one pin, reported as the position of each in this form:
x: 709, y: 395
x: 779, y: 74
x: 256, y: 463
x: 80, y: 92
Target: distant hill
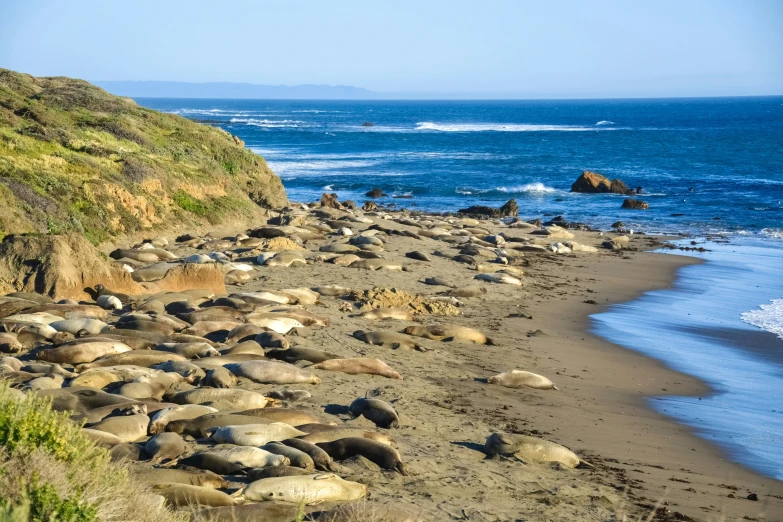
x: 74, y: 158
x: 235, y: 91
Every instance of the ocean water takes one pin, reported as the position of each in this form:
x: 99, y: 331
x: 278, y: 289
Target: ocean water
x: 707, y: 325
x: 707, y: 167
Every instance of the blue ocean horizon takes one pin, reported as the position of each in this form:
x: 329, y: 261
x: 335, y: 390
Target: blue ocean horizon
x: 706, y: 165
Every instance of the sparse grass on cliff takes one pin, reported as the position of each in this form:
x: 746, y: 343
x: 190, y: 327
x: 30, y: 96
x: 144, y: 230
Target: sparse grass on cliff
x: 76, y: 158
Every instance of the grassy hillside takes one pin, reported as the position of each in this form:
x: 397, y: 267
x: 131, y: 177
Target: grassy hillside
x: 76, y: 158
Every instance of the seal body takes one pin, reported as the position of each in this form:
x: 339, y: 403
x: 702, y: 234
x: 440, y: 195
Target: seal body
x: 379, y: 412
x: 521, y: 379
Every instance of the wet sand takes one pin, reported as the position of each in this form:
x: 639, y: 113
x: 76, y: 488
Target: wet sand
x: 601, y: 411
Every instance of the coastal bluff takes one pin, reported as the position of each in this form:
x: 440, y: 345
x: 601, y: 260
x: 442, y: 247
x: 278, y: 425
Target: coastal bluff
x: 76, y: 159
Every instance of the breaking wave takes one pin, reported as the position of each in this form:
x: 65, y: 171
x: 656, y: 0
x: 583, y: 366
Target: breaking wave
x: 768, y: 317
x: 499, y: 127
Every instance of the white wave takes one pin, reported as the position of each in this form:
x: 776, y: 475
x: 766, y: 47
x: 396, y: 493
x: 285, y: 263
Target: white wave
x: 499, y: 127
x: 328, y: 187
x: 605, y: 122
x: 529, y: 188
x: 325, y: 167
x: 775, y: 233
x: 270, y: 124
x: 768, y: 317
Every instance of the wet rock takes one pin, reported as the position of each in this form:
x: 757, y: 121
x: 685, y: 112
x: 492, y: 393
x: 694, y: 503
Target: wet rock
x: 635, y: 204
x: 375, y: 193
x: 594, y: 183
x: 509, y: 209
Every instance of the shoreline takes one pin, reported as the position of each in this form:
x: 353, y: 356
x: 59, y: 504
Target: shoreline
x: 602, y: 411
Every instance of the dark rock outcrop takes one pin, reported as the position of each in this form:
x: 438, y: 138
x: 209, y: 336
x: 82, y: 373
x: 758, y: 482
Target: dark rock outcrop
x: 510, y: 209
x: 594, y: 183
x: 375, y: 193
x: 635, y: 204
x: 368, y: 124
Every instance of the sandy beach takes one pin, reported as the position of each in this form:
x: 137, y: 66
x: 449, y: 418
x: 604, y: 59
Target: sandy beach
x: 447, y: 410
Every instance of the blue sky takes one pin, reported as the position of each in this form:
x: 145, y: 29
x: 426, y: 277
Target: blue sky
x: 520, y: 49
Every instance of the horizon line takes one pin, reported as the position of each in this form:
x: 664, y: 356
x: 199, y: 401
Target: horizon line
x: 576, y: 98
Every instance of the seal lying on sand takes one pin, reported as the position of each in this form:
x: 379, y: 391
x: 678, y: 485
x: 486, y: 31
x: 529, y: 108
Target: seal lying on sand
x: 309, y: 489
x: 379, y: 412
x: 519, y: 379
x: 381, y: 454
x: 529, y: 449
x: 358, y: 365
x: 446, y: 333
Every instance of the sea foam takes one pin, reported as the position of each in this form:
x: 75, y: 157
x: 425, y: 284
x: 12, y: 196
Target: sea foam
x: 499, y: 127
x: 768, y: 317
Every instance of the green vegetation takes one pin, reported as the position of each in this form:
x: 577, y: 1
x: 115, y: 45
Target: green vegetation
x: 49, y: 471
x: 74, y: 158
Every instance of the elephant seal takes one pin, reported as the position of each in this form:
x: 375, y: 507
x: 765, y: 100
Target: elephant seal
x: 418, y: 256
x: 388, y: 313
x: 220, y: 378
x: 201, y: 426
x: 358, y: 365
x: 497, y: 277
x: 332, y: 290
x: 98, y: 414
x: 192, y: 373
x: 163, y: 417
x: 276, y: 471
x: 238, y: 399
x: 392, y: 339
x: 243, y: 332
x: 317, y: 433
x: 298, y: 458
x: 81, y: 399
x: 376, y: 264
x: 164, y: 446
x: 321, y: 459
x: 268, y: 372
x: 189, y: 350
x: 245, y: 347
x: 213, y: 463
x: 109, y: 302
x: 529, y: 449
x: 519, y: 379
x: 289, y: 395
x: 381, y: 454
x: 254, y: 434
x: 143, y: 358
x: 290, y: 416
x: 271, y: 340
x: 127, y: 451
x: 381, y: 413
x: 281, y: 325
x: 82, y: 352
x: 247, y: 456
x: 129, y: 428
x: 308, y: 489
x: 191, y: 476
x: 447, y: 332
x: 301, y: 353
x: 467, y: 291
x: 9, y: 343
x: 183, y: 495
x: 438, y: 281
x: 102, y: 438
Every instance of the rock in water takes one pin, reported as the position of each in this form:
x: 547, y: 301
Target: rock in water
x: 510, y: 209
x: 635, y: 204
x: 594, y: 183
x: 375, y: 193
